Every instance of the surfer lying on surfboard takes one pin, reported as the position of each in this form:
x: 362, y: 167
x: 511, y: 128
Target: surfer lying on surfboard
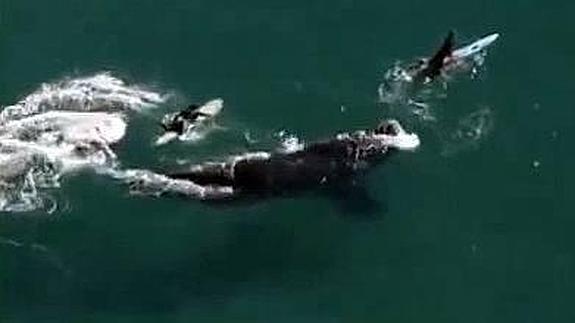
x: 447, y: 59
x: 178, y: 122
x: 405, y: 83
x: 182, y: 123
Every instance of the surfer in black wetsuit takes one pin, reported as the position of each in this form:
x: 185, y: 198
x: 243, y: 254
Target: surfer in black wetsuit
x: 179, y: 121
x: 318, y: 163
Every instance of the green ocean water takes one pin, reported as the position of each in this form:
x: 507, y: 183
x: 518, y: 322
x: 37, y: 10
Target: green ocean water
x: 480, y: 235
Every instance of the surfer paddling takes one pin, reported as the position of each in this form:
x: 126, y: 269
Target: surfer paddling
x: 404, y: 83
x: 179, y: 122
x: 191, y: 118
x: 448, y: 59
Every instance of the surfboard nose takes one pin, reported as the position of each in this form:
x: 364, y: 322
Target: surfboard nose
x: 491, y: 38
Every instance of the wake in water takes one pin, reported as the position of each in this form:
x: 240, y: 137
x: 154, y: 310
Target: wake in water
x: 60, y: 128
x: 149, y: 183
x: 39, y: 251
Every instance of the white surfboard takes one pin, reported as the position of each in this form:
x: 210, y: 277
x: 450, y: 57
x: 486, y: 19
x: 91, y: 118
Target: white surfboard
x: 475, y: 47
x: 166, y: 138
x: 212, y: 108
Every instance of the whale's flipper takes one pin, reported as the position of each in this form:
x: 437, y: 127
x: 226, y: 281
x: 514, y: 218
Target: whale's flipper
x: 436, y: 63
x: 355, y: 200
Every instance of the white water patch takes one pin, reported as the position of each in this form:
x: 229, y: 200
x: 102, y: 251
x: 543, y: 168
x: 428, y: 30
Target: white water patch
x: 100, y: 92
x: 405, y: 98
x: 289, y: 143
x: 62, y: 127
x: 402, y: 141
x: 469, y: 132
x: 36, y: 151
x: 395, y: 86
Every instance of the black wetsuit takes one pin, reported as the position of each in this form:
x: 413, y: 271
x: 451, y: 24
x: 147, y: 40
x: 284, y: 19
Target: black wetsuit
x: 177, y: 123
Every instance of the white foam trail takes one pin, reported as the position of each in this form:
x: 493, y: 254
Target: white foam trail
x: 146, y: 182
x: 62, y: 127
x: 100, y: 92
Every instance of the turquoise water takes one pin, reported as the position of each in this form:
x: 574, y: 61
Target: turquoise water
x: 477, y: 235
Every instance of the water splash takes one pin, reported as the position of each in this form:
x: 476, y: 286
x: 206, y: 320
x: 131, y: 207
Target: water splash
x: 22, y: 175
x: 289, y: 143
x: 60, y: 128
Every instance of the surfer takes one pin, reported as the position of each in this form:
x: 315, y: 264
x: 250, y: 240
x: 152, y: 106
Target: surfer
x: 447, y: 58
x: 315, y: 164
x: 405, y: 83
x: 181, y: 123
